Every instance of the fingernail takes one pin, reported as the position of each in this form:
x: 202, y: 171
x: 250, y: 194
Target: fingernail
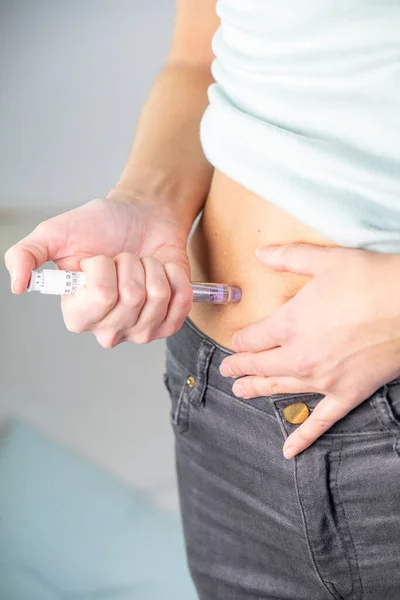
x: 290, y: 451
x: 13, y: 280
x: 225, y: 370
x: 238, y: 390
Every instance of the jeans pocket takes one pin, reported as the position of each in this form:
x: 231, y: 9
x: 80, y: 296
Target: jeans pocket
x: 177, y: 384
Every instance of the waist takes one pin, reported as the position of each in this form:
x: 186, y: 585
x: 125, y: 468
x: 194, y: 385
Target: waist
x: 222, y: 249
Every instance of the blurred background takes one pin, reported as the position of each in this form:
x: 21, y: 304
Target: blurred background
x: 73, y: 78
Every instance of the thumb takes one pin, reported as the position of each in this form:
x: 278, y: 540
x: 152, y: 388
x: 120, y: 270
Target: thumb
x: 296, y: 257
x: 28, y: 254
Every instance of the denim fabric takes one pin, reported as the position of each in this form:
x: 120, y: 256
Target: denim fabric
x: 323, y: 525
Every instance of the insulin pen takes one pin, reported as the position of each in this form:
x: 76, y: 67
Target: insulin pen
x: 52, y: 281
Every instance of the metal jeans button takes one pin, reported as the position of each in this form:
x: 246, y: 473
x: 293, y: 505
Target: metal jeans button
x: 296, y: 413
x: 190, y: 381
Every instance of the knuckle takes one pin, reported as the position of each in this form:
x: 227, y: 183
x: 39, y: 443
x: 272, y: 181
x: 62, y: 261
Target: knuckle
x: 184, y: 301
x: 274, y: 386
x: 256, y: 366
x: 161, y: 292
x: 322, y: 424
x: 74, y: 327
x: 144, y: 337
x: 303, y: 439
x: 249, y: 347
x: 304, y: 365
x: 327, y: 382
x: 105, y: 295
x: 288, y: 251
x: 108, y: 340
x: 285, y: 329
x: 132, y: 294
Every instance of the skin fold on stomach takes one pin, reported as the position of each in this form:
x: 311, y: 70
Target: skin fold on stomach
x: 222, y: 249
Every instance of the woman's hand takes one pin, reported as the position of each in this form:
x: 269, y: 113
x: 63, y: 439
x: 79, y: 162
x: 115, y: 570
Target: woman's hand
x: 339, y: 336
x: 136, y: 264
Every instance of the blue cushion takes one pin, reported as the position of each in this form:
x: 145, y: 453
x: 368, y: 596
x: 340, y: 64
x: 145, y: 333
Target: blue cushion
x: 69, y: 529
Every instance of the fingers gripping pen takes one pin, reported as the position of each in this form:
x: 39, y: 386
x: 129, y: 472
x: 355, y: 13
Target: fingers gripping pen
x: 52, y: 281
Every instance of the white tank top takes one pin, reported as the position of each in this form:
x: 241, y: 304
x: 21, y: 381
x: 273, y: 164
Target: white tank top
x: 305, y: 112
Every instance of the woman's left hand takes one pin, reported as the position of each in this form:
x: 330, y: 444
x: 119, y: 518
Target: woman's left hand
x: 339, y: 336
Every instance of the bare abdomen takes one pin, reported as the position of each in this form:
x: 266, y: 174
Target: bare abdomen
x: 222, y: 249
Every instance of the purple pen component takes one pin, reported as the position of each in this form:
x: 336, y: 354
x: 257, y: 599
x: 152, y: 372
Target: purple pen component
x: 215, y: 293
x: 236, y: 294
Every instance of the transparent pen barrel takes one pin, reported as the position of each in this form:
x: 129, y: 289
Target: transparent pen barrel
x: 214, y: 293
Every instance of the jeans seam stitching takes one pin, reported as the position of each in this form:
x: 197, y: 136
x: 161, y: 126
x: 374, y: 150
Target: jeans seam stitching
x: 307, y: 536
x: 205, y: 351
x: 182, y: 426
x: 345, y: 543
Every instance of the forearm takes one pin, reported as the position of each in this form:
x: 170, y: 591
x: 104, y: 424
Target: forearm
x: 167, y: 164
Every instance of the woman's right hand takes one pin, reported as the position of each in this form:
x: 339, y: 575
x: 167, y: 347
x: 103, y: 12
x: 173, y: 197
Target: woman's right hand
x: 136, y: 264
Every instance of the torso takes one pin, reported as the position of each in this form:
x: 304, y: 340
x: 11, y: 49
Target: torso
x: 222, y: 249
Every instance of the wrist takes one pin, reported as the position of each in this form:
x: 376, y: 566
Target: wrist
x: 165, y: 197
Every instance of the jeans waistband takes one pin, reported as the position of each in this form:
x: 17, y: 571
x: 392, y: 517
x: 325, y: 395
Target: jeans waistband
x: 201, y: 357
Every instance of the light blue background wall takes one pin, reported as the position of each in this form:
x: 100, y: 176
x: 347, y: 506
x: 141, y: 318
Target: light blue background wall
x: 73, y: 77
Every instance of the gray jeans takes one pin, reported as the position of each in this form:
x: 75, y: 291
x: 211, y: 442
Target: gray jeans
x: 323, y: 525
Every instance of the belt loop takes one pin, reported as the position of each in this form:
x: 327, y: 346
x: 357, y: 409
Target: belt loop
x: 203, y: 357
